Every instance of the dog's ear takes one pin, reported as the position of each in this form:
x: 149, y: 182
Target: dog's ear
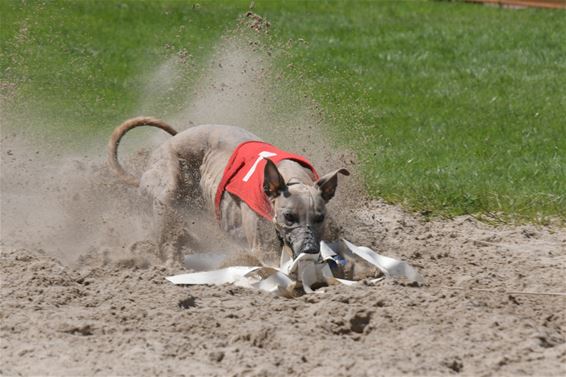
x: 327, y: 184
x: 273, y: 182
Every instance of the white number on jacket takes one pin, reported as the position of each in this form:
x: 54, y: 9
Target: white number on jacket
x: 262, y: 155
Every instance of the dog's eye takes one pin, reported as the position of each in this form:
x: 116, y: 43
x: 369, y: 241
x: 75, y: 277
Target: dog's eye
x: 319, y: 218
x: 290, y: 218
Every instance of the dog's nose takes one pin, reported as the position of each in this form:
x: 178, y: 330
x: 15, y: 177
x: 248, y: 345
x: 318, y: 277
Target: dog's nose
x: 311, y: 250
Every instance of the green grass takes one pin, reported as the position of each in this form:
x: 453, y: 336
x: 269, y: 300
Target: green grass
x: 452, y: 108
x: 82, y: 65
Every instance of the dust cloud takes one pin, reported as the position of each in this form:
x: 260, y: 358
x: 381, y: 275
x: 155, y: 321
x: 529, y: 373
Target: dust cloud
x: 69, y: 205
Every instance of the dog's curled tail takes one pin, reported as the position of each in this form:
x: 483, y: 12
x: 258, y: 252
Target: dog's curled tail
x: 117, y: 135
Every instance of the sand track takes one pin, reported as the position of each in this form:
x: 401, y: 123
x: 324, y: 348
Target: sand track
x: 108, y: 316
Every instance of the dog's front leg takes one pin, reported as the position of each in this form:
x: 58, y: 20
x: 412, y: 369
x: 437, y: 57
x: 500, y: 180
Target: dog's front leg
x: 261, y: 237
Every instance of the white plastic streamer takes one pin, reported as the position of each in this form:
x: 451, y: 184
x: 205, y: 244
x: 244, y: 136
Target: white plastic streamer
x: 306, y: 270
x: 390, y: 267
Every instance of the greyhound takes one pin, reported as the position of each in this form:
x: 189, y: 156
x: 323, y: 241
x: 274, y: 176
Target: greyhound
x: 186, y: 171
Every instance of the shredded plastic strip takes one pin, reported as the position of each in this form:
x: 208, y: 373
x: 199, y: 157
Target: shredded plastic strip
x: 306, y: 270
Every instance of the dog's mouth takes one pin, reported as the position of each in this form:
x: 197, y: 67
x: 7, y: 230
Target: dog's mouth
x: 301, y: 239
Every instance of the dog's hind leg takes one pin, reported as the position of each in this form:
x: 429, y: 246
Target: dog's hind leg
x: 162, y: 182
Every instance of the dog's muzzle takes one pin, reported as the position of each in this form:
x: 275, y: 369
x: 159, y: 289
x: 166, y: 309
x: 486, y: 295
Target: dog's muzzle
x: 310, y: 246
x: 301, y: 238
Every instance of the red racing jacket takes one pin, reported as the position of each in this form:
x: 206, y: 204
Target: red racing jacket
x: 243, y: 175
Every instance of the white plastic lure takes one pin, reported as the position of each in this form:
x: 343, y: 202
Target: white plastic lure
x: 306, y: 270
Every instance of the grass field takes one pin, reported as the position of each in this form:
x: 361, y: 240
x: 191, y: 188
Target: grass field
x: 452, y: 108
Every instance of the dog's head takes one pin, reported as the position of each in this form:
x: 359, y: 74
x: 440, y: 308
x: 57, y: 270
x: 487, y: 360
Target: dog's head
x: 299, y: 209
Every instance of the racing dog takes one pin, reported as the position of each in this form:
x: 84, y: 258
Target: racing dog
x: 248, y: 184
